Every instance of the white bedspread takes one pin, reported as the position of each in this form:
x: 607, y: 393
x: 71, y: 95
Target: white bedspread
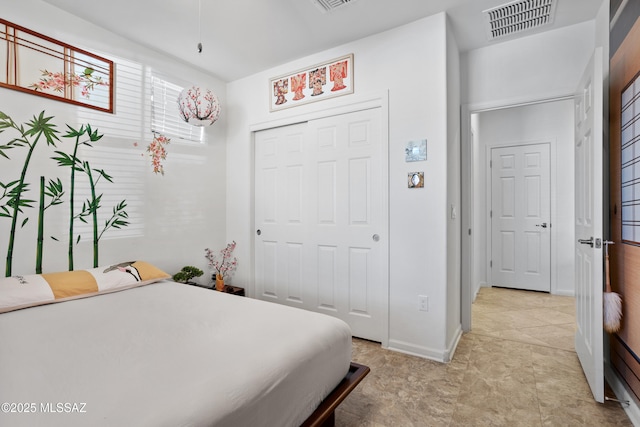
x: 167, y: 354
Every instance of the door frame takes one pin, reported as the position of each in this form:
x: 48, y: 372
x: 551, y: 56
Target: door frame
x: 366, y: 102
x: 467, y: 294
x: 552, y: 203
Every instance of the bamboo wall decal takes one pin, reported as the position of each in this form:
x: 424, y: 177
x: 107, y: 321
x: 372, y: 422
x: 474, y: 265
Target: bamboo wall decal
x: 118, y: 220
x: 55, y: 192
x: 94, y: 213
x: 40, y: 242
x: 90, y: 206
x: 12, y: 200
x: 34, y: 129
x: 74, y: 163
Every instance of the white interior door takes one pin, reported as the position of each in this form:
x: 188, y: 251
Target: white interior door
x: 322, y: 219
x: 588, y: 224
x: 520, y: 213
x: 281, y: 222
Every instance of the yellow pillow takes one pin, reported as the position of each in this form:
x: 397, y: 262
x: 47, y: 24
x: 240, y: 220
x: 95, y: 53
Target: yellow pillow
x: 37, y: 289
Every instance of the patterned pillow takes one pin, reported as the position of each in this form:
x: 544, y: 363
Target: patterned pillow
x: 37, y: 289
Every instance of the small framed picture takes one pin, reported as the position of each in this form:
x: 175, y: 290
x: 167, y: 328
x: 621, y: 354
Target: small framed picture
x: 416, y: 151
x: 415, y: 179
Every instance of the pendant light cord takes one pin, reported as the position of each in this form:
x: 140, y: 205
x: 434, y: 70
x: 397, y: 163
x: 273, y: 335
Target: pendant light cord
x: 199, y: 26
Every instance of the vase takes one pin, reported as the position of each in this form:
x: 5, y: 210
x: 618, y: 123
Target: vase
x: 219, y: 283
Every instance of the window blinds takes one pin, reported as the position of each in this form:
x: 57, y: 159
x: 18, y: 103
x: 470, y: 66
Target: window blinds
x: 165, y: 117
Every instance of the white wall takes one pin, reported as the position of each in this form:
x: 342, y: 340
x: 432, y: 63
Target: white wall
x: 550, y: 122
x: 538, y: 67
x: 173, y: 217
x: 409, y: 64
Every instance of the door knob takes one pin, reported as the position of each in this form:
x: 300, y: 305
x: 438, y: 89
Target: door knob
x: 258, y: 232
x: 588, y: 241
x: 375, y: 237
x: 543, y: 225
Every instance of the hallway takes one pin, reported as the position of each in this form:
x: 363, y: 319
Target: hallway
x: 516, y: 368
x: 524, y: 316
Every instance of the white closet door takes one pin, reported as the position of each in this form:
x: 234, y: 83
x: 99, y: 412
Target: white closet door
x: 322, y: 218
x: 281, y: 219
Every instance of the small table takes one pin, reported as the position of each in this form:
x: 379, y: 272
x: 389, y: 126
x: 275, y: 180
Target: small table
x: 228, y: 289
x: 235, y: 290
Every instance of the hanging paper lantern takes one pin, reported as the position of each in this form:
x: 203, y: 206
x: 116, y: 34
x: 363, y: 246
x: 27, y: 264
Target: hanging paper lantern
x: 198, y: 106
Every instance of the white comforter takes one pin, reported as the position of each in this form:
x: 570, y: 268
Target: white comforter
x: 167, y: 354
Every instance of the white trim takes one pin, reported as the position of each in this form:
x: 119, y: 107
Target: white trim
x: 565, y: 293
x: 467, y: 259
x: 502, y: 105
x: 617, y: 385
x: 365, y: 102
x: 617, y: 15
x: 467, y: 110
x: 488, y: 223
x: 466, y: 227
x: 482, y: 284
x: 453, y: 345
x: 419, y: 351
x: 425, y: 352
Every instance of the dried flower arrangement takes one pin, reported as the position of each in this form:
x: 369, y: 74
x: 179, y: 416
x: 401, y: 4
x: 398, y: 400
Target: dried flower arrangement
x: 226, y: 265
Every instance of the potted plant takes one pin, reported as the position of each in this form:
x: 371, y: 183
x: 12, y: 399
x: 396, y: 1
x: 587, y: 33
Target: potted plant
x: 187, y: 273
x: 222, y: 267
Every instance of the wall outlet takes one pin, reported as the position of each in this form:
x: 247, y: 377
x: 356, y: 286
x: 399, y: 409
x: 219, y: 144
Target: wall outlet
x: 424, y: 303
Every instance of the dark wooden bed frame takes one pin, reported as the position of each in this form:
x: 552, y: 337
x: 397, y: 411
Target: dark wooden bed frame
x: 324, y: 415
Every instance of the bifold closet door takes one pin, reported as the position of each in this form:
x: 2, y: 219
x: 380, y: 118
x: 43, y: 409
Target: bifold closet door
x: 321, y: 237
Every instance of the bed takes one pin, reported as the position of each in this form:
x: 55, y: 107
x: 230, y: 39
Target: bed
x: 169, y: 354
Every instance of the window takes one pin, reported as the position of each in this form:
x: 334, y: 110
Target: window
x: 131, y: 105
x: 165, y: 117
x: 39, y: 65
x: 630, y: 162
x: 116, y: 155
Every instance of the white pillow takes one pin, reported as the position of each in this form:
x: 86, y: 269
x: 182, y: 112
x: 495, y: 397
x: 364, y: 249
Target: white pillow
x: 37, y: 289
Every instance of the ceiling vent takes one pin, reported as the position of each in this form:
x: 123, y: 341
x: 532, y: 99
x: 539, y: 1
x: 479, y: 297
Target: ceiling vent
x: 329, y: 5
x: 519, y: 16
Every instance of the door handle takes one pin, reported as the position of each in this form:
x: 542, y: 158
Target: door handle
x: 543, y: 225
x: 588, y: 241
x: 258, y: 232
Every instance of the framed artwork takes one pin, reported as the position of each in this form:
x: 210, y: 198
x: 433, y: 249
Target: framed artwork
x: 416, y: 151
x: 33, y: 63
x: 317, y: 82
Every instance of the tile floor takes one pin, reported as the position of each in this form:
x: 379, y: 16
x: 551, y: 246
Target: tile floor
x: 516, y: 368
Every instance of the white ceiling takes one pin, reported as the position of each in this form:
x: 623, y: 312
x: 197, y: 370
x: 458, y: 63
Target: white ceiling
x: 242, y: 37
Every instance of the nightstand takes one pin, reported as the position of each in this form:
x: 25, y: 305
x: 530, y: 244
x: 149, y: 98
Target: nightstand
x: 235, y: 290
x: 228, y: 289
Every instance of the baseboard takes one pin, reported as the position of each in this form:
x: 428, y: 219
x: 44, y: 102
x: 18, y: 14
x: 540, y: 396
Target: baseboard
x: 618, y: 387
x: 453, y: 345
x: 416, y: 350
x: 482, y: 284
x: 443, y: 356
x: 564, y: 293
